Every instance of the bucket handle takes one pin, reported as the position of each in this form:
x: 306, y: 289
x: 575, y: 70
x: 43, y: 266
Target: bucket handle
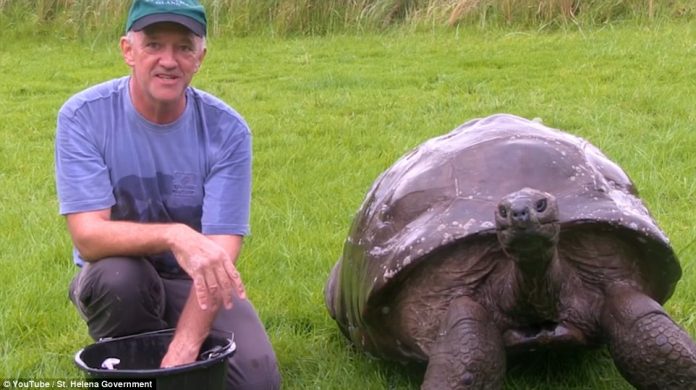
x: 154, y: 332
x: 219, y: 350
x: 212, y: 353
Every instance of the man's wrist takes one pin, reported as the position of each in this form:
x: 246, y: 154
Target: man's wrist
x: 185, y: 347
x: 173, y: 235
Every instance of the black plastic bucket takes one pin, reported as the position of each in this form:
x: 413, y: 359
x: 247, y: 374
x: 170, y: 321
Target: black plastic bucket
x: 140, y: 355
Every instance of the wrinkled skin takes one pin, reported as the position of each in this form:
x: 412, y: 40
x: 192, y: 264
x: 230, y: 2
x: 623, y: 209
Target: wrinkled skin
x: 502, y: 237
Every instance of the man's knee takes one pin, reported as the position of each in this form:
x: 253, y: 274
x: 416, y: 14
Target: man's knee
x: 254, y: 365
x: 119, y: 296
x: 120, y: 280
x: 259, y: 371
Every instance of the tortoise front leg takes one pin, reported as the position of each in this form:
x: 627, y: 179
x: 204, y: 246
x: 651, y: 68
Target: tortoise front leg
x: 650, y: 350
x: 468, y: 352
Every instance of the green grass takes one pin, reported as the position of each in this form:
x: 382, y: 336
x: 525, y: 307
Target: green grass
x: 328, y: 115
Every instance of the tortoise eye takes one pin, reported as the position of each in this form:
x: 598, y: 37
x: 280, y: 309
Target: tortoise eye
x: 502, y: 211
x: 541, y: 205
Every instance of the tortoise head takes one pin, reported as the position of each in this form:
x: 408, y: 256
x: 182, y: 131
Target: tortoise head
x: 527, y: 224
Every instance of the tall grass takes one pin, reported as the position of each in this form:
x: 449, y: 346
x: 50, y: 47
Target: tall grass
x: 285, y: 17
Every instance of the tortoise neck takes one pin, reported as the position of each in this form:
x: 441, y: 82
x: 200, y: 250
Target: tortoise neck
x: 535, y: 264
x: 537, y: 288
x: 533, y: 258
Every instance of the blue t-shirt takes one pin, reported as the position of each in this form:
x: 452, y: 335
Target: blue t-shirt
x: 195, y: 170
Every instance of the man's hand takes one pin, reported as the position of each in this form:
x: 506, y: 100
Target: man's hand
x: 209, y: 260
x: 209, y: 265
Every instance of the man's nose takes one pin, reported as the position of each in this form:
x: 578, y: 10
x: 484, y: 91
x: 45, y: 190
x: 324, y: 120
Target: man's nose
x: 168, y: 57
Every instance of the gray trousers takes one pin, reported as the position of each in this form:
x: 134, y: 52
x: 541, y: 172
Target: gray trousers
x: 119, y: 296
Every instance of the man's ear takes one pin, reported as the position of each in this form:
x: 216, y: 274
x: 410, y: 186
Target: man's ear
x: 201, y: 58
x: 127, y: 50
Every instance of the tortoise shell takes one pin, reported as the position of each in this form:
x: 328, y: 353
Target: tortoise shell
x: 445, y: 191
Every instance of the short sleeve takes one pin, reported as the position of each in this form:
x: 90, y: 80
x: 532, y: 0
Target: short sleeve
x: 227, y: 187
x: 82, y: 178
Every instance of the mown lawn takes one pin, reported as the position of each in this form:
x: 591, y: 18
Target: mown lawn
x: 328, y: 115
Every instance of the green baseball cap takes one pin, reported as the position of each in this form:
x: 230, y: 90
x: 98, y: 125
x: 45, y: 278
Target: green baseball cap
x: 189, y: 13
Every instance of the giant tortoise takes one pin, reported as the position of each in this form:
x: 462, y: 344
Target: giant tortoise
x: 506, y: 236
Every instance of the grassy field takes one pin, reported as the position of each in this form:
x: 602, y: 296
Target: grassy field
x: 328, y: 115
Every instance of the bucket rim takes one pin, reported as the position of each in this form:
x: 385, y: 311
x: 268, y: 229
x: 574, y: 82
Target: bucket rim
x: 220, y: 356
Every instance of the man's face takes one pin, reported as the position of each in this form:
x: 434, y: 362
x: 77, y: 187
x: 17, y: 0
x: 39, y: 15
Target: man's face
x: 164, y: 57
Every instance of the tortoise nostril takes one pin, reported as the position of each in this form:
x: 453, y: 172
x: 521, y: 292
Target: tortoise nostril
x: 520, y: 215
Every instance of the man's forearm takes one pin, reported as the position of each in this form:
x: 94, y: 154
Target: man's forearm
x: 96, y: 237
x: 192, y: 329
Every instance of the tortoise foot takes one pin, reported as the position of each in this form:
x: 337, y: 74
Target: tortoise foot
x: 468, y: 352
x: 650, y: 350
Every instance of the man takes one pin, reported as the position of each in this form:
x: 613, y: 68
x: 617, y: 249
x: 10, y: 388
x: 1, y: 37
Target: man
x: 153, y: 177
